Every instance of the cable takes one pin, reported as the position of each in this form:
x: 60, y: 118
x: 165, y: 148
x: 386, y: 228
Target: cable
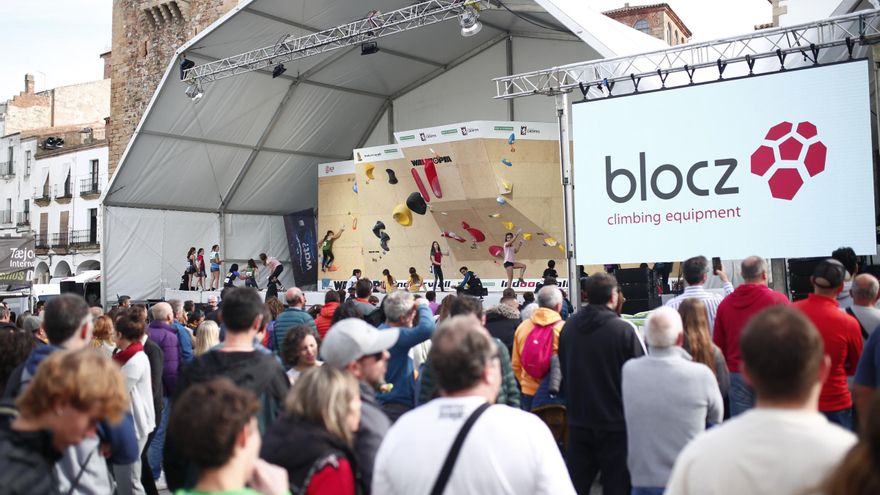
x: 532, y: 20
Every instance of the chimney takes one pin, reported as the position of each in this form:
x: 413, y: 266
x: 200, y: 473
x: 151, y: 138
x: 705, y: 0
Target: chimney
x: 29, y: 84
x: 626, y: 5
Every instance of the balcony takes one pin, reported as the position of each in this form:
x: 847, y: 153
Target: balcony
x: 42, y: 197
x: 60, y: 242
x: 23, y: 218
x: 7, y: 170
x: 84, y: 239
x: 90, y: 187
x: 41, y: 243
x: 5, y: 217
x: 64, y: 193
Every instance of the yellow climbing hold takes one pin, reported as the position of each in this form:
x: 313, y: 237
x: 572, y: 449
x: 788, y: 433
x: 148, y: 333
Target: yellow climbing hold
x: 508, y: 186
x: 368, y: 169
x: 561, y: 248
x: 549, y: 241
x: 402, y: 215
x: 527, y: 236
x: 507, y: 225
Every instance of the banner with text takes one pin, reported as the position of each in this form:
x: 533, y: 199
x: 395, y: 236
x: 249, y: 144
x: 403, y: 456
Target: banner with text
x: 300, y: 227
x: 774, y: 165
x: 16, y: 263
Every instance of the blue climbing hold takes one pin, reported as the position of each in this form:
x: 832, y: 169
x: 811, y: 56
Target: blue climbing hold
x: 507, y: 162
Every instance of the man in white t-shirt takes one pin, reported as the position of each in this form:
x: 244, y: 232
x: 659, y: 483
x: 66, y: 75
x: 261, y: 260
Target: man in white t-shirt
x: 783, y: 445
x: 506, y: 451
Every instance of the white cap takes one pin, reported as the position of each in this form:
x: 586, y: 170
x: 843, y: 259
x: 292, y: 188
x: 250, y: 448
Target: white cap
x: 352, y: 338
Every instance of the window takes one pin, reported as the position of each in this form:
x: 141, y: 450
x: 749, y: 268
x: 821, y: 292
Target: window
x: 642, y: 25
x: 669, y: 33
x: 27, y: 163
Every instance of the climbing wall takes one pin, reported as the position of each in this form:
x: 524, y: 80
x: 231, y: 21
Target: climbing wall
x: 338, y: 207
x: 463, y: 185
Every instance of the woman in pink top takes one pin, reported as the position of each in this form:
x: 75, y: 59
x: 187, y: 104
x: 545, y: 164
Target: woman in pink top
x: 510, y: 262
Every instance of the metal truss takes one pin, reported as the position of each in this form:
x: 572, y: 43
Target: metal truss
x: 599, y: 76
x: 372, y: 27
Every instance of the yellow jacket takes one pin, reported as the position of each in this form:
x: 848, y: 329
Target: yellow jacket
x: 541, y: 317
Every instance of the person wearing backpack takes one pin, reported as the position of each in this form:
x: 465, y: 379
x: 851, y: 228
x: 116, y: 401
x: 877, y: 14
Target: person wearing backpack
x: 535, y: 343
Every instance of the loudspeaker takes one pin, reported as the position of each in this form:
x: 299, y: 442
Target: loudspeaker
x: 799, y: 272
x: 634, y: 276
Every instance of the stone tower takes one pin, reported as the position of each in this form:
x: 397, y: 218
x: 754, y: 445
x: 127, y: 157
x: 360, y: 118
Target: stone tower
x: 146, y: 33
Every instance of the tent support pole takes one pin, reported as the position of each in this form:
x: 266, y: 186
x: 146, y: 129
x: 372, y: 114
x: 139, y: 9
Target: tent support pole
x: 563, y: 114
x: 222, y: 220
x: 510, y: 102
x: 390, y: 120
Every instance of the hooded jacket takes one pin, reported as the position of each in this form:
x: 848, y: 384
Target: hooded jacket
x: 324, y: 319
x: 541, y: 317
x: 27, y: 460
x: 593, y: 346
x: 502, y: 322
x: 83, y: 460
x: 733, y: 314
x: 316, y: 461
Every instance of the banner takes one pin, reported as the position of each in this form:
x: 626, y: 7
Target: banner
x: 775, y: 165
x: 300, y: 227
x: 490, y: 284
x: 16, y: 263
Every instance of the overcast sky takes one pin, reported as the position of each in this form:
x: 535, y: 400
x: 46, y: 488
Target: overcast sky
x: 59, y: 40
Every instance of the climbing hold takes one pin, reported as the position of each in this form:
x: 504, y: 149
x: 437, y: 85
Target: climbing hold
x: 392, y: 178
x: 368, y: 169
x: 512, y: 138
x: 507, y: 225
x: 561, y: 247
x: 355, y: 187
x: 420, y: 184
x: 495, y: 215
x: 383, y: 241
x: 496, y: 251
x: 402, y: 215
x: 354, y: 223
x: 378, y: 228
x: 433, y: 180
x: 507, y: 162
x: 477, y: 234
x: 452, y: 235
x: 527, y: 236
x: 501, y: 200
x: 549, y: 241
x: 416, y: 203
x: 508, y: 187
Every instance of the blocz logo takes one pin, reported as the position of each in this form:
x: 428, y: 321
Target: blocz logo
x: 793, y: 150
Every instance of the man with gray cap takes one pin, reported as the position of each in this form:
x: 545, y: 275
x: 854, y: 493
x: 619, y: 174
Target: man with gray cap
x: 356, y: 347
x: 842, y: 337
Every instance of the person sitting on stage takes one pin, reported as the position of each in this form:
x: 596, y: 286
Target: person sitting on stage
x: 470, y: 284
x: 232, y: 276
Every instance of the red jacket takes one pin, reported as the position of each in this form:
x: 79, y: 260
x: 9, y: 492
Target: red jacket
x: 843, y: 343
x: 324, y: 319
x: 734, y: 312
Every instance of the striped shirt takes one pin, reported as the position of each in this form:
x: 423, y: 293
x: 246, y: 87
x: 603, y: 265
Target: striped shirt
x: 711, y: 299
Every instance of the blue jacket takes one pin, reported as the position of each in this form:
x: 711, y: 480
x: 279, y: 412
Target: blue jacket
x: 290, y: 318
x: 400, y: 366
x: 185, y: 341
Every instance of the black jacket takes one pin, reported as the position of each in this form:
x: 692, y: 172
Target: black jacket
x: 502, y: 321
x: 255, y: 371
x: 304, y: 449
x: 27, y: 460
x: 372, y: 429
x: 156, y: 356
x: 593, y: 346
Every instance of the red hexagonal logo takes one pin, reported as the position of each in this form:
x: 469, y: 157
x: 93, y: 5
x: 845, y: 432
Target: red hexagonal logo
x: 783, y: 154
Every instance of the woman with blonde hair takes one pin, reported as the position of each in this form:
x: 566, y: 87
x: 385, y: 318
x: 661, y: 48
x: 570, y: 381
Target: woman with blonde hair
x: 698, y: 342
x: 207, y: 337
x: 102, y: 335
x: 71, y: 392
x: 313, y: 439
x: 389, y: 285
x: 415, y: 283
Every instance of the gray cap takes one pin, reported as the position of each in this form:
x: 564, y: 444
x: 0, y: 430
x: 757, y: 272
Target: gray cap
x: 352, y: 339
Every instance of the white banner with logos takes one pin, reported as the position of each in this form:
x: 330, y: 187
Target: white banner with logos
x: 480, y: 129
x: 490, y: 284
x: 336, y: 168
x: 775, y: 165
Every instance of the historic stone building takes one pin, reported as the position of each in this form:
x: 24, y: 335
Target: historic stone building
x: 657, y: 20
x: 146, y: 33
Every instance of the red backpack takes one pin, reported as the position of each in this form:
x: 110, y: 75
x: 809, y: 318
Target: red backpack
x: 538, y: 350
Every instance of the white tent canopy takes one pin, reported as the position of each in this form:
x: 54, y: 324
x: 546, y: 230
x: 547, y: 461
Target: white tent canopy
x: 223, y: 170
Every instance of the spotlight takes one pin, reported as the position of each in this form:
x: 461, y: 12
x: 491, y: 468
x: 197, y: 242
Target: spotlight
x: 469, y: 21
x: 185, y: 65
x: 194, y: 92
x: 278, y: 70
x: 369, y: 47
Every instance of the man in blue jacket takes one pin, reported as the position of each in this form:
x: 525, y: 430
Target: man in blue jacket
x: 401, y: 311
x: 294, y: 316
x: 82, y: 469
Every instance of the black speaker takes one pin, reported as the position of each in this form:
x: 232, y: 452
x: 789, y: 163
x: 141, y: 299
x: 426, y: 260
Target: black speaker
x: 93, y: 293
x: 71, y: 287
x: 799, y: 272
x: 634, y: 276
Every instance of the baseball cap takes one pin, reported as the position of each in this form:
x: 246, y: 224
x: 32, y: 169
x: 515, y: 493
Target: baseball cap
x: 352, y: 339
x: 829, y: 274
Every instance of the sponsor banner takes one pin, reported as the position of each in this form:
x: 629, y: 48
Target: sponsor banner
x: 492, y: 285
x: 480, y: 129
x: 774, y: 165
x: 301, y: 240
x: 336, y: 168
x: 16, y: 263
x: 377, y: 154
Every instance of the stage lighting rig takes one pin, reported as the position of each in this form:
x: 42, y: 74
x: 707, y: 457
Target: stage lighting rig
x: 470, y: 22
x: 278, y: 70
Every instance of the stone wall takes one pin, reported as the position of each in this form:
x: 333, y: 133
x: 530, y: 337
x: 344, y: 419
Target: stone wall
x: 146, y: 34
x: 65, y: 105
